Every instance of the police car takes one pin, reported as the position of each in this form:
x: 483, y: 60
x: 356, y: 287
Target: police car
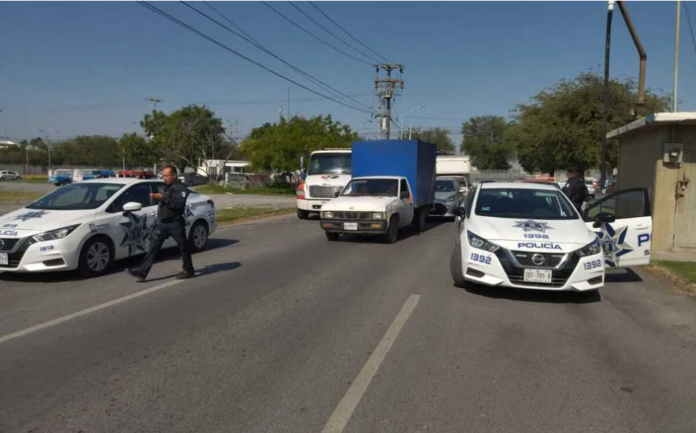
x: 529, y: 236
x: 88, y: 225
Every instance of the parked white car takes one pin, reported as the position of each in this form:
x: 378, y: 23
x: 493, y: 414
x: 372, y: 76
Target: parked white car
x: 590, y: 188
x: 9, y: 175
x: 530, y: 236
x: 88, y: 225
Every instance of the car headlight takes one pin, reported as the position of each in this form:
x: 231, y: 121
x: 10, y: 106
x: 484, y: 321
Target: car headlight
x: 55, y: 235
x: 450, y: 199
x: 480, y: 243
x: 327, y: 215
x: 378, y: 215
x: 590, y: 249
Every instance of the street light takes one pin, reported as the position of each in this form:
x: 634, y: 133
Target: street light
x: 401, y: 127
x: 48, y: 146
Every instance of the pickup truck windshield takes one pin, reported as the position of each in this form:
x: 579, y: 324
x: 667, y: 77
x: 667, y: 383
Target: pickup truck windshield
x: 329, y: 163
x: 524, y: 203
x: 372, y: 188
x: 78, y: 196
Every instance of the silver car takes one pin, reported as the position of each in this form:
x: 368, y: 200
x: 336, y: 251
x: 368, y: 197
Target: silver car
x: 449, y: 193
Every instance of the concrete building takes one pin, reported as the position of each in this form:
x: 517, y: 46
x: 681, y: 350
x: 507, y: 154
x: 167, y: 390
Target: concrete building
x: 658, y: 152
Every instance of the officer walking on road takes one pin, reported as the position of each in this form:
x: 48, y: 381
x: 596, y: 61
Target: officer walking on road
x: 170, y: 222
x: 575, y: 188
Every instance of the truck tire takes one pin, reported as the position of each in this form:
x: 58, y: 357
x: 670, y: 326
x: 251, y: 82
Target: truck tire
x: 302, y: 214
x: 419, y: 219
x: 456, y: 267
x: 392, y: 234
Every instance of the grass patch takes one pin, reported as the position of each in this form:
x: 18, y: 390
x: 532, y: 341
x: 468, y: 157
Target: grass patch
x: 9, y: 195
x: 247, y: 213
x: 684, y: 270
x: 34, y: 178
x: 221, y: 189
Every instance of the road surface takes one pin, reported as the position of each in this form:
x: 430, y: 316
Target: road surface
x: 286, y: 332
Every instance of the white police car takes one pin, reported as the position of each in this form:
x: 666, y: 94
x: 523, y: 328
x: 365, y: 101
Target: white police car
x: 88, y: 225
x: 530, y: 236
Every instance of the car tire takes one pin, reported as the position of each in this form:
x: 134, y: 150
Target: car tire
x: 332, y: 237
x: 456, y: 267
x: 302, y: 214
x: 198, y: 237
x: 392, y: 234
x: 419, y: 219
x: 96, y: 257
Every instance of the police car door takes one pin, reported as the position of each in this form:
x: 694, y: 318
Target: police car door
x: 158, y: 187
x: 626, y: 239
x: 131, y: 232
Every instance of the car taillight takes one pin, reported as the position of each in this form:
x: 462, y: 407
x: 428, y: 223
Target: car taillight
x: 211, y: 203
x: 300, y: 191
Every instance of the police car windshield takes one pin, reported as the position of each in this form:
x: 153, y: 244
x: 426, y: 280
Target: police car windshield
x: 524, y: 203
x: 372, y: 188
x: 329, y: 163
x: 78, y: 196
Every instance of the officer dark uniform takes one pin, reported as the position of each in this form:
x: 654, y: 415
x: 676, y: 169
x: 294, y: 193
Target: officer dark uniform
x: 575, y: 188
x: 170, y: 222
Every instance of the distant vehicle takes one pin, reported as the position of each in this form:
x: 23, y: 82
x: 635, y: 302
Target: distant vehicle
x: 328, y: 172
x: 393, y: 186
x: 530, y: 236
x: 90, y: 224
x: 8, y: 175
x: 453, y: 165
x: 193, y: 179
x: 449, y: 194
x: 60, y: 177
x: 138, y: 174
x: 591, y: 188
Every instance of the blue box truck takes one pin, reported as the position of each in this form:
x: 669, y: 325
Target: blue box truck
x: 392, y: 186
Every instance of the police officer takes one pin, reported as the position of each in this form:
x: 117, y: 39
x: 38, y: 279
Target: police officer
x: 170, y: 222
x: 575, y: 188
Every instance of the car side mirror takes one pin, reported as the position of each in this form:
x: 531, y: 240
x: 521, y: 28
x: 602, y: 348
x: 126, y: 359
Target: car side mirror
x: 603, y: 218
x: 405, y: 195
x: 131, y: 207
x: 460, y: 211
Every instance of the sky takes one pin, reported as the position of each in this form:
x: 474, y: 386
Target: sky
x: 82, y: 68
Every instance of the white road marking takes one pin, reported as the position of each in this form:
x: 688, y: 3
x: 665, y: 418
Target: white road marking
x: 84, y: 312
x: 339, y: 419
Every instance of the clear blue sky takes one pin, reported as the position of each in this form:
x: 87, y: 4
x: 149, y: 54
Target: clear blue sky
x: 86, y: 67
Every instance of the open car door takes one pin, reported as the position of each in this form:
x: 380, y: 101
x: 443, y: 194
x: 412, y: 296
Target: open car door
x: 625, y: 230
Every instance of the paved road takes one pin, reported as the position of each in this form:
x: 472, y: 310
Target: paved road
x: 286, y: 332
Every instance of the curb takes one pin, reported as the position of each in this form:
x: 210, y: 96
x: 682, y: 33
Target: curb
x: 682, y: 286
x: 255, y: 219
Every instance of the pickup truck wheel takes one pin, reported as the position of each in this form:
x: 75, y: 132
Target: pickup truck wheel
x: 332, y: 237
x: 392, y: 234
x: 302, y: 214
x: 456, y: 267
x: 419, y: 219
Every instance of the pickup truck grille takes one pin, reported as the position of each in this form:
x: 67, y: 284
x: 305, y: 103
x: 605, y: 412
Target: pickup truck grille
x: 318, y: 191
x: 352, y: 215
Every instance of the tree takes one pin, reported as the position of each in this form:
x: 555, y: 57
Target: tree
x: 137, y: 151
x: 562, y: 125
x: 485, y: 140
x: 279, y: 146
x: 184, y: 135
x: 438, y: 136
x: 92, y: 151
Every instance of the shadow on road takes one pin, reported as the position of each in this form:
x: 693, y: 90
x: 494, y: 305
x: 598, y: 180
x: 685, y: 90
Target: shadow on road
x: 539, y: 296
x: 622, y: 276
x: 208, y: 270
x: 404, y: 234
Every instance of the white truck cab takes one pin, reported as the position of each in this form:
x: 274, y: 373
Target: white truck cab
x: 375, y: 205
x: 328, y: 172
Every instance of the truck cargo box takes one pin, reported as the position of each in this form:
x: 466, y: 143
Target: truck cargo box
x: 414, y: 160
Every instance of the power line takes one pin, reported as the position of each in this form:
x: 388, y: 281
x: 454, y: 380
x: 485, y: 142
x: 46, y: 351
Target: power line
x: 232, y: 24
x: 691, y: 30
x: 226, y: 48
x: 264, y: 49
x: 348, y: 33
x: 333, y: 34
x: 314, y: 36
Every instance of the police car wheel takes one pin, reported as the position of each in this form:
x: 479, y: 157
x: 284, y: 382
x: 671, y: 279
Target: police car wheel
x: 456, y: 267
x: 96, y: 257
x: 198, y: 237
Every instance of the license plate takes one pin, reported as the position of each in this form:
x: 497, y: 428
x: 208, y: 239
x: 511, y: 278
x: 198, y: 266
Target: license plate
x: 4, y: 260
x: 537, y: 276
x: 350, y: 226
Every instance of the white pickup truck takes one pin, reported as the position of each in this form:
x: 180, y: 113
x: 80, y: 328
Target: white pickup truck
x: 375, y: 205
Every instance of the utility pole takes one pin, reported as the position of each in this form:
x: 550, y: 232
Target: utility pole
x: 288, y: 102
x: 676, y: 58
x: 385, y: 88
x: 48, y: 146
x: 153, y: 100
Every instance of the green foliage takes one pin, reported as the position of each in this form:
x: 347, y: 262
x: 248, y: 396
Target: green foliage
x: 139, y: 153
x: 92, y: 151
x: 485, y: 140
x: 438, y: 136
x: 279, y: 146
x: 562, y: 125
x: 184, y: 135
